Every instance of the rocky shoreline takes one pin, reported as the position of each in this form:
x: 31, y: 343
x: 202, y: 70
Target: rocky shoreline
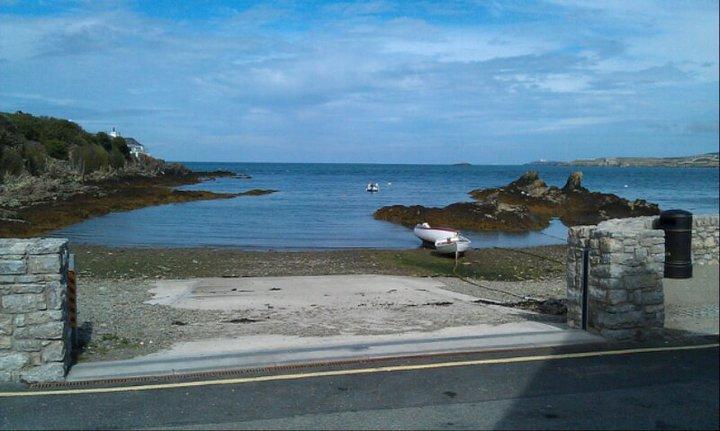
x: 526, y: 204
x: 38, y: 206
x: 53, y: 174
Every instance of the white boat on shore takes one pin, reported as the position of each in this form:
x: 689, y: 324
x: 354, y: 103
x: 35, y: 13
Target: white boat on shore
x: 431, y: 234
x: 445, y: 240
x: 452, y: 245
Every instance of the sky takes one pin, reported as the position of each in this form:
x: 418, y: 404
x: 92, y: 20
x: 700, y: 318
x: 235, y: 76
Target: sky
x: 486, y: 82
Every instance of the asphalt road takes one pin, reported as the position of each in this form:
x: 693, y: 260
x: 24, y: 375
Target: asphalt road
x: 663, y: 390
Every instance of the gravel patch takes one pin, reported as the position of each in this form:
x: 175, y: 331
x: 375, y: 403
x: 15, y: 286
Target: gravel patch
x: 117, y: 323
x: 114, y: 283
x: 509, y: 291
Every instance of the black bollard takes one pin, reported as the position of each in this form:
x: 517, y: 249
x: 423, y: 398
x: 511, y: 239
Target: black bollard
x: 677, y: 225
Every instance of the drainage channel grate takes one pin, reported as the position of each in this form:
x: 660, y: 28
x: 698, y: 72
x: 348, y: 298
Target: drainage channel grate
x: 233, y: 373
x: 387, y: 361
x: 185, y: 377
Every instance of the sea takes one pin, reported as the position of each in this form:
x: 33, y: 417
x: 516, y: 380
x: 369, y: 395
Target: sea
x: 325, y: 206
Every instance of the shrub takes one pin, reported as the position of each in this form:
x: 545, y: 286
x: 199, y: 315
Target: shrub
x: 26, y: 124
x: 10, y: 162
x: 6, y: 125
x: 117, y: 159
x: 89, y: 158
x: 34, y: 155
x: 121, y: 145
x: 55, y: 128
x: 56, y: 148
x: 9, y: 139
x: 104, y: 140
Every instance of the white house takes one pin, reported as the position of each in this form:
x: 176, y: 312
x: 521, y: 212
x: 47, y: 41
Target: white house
x: 135, y: 147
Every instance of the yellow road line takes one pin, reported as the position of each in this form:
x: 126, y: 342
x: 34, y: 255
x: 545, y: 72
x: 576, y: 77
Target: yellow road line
x: 298, y: 376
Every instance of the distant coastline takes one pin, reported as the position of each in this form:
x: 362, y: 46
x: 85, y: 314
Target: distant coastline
x: 707, y: 160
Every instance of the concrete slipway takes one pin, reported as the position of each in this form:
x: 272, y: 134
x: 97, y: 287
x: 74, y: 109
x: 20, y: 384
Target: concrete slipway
x: 366, y: 316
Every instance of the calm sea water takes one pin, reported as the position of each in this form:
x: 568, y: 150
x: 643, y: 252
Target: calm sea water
x: 326, y: 206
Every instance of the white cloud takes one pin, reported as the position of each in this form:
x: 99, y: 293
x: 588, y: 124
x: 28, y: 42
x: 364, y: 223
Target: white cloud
x: 369, y: 74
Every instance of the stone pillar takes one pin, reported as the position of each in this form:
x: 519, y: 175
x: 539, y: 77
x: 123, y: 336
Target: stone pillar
x: 578, y: 241
x: 34, y: 330
x: 706, y: 240
x: 625, y: 294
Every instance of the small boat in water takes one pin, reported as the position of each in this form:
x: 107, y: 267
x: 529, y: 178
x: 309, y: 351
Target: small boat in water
x: 372, y: 187
x: 454, y: 244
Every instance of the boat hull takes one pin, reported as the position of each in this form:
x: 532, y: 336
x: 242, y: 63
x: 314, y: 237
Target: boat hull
x: 458, y: 244
x: 432, y: 234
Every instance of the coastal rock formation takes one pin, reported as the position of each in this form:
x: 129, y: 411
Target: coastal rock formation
x: 523, y: 205
x: 574, y: 183
x: 478, y: 216
x: 257, y: 192
x: 573, y: 203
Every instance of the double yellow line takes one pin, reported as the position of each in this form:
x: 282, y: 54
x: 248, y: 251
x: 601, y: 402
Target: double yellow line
x: 299, y: 376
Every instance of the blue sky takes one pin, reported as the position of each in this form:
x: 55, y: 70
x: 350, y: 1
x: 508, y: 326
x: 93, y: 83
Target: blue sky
x: 375, y: 81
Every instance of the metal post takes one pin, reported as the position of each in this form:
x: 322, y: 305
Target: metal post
x: 72, y: 299
x: 585, y: 289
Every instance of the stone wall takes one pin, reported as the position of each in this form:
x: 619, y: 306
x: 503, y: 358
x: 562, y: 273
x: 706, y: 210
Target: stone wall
x: 626, y: 265
x: 625, y: 294
x: 706, y: 240
x: 34, y: 330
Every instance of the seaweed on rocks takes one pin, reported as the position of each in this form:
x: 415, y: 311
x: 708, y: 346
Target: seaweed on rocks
x: 526, y: 204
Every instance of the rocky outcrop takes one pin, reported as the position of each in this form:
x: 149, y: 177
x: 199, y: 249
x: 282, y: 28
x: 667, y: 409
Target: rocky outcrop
x: 38, y: 205
x: 523, y: 205
x: 478, y: 216
x: 257, y: 192
x: 573, y: 203
x: 574, y: 183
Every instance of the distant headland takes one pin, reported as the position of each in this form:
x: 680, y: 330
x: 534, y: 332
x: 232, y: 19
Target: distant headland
x: 53, y: 174
x: 707, y: 160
